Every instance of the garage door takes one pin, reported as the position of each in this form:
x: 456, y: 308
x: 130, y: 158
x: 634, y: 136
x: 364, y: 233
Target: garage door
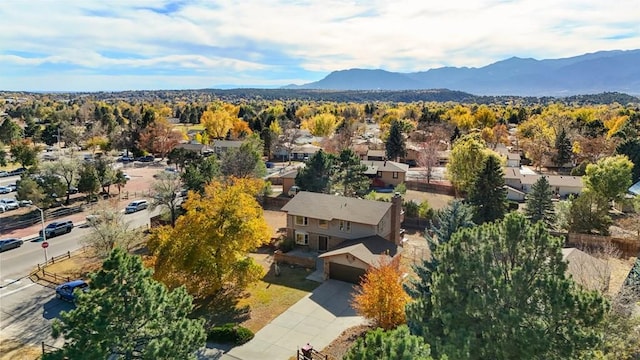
x: 345, y: 273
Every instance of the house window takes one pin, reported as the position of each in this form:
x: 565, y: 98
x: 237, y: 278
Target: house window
x: 302, y: 238
x: 379, y: 174
x: 395, y: 174
x: 323, y: 224
x: 345, y: 226
x: 302, y: 220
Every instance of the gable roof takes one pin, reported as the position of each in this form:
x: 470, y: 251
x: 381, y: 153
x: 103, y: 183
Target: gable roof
x: 388, y: 166
x: 554, y: 180
x: 227, y: 143
x: 193, y: 147
x: 329, y: 207
x: 368, y: 249
x: 376, y: 153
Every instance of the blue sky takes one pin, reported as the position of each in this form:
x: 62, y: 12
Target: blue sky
x: 116, y: 45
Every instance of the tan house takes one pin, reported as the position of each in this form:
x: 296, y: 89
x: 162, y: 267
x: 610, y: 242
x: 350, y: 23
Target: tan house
x: 385, y: 173
x: 353, y: 231
x: 222, y: 146
x: 561, y: 185
x: 376, y: 155
x: 195, y: 147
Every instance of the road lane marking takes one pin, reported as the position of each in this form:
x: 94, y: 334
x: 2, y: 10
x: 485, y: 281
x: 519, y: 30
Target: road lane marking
x: 17, y: 290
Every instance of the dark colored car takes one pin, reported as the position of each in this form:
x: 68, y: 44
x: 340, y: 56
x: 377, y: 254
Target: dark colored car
x: 67, y: 290
x: 57, y: 228
x: 147, y: 158
x: 125, y: 159
x: 17, y: 171
x: 7, y: 244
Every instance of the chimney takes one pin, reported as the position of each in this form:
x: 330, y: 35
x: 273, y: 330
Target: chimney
x: 396, y: 219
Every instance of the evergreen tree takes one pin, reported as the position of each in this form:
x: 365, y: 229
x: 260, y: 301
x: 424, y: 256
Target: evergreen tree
x: 351, y: 173
x: 501, y: 292
x: 589, y: 213
x: 316, y: 175
x: 397, y: 344
x: 9, y: 131
x: 445, y: 223
x: 129, y: 315
x: 395, y: 146
x: 199, y: 173
x: 245, y: 161
x: 539, y: 205
x: 88, y: 181
x: 488, y: 195
x: 631, y: 148
x: 563, y: 149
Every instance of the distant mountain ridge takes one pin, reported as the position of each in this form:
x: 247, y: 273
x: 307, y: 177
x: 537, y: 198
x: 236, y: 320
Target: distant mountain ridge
x: 603, y: 71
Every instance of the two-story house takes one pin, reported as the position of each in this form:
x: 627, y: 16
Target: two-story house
x: 353, y: 231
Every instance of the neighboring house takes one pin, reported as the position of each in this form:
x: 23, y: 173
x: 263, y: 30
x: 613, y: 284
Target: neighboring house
x: 512, y: 158
x: 222, y: 146
x: 586, y: 270
x: 296, y: 152
x: 288, y: 180
x: 354, y: 231
x: 561, y: 185
x: 195, y: 146
x: 376, y: 155
x: 386, y: 173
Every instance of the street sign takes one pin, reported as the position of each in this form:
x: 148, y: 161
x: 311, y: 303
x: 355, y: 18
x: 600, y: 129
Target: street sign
x: 45, y: 245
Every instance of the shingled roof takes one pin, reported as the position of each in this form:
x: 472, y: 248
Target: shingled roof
x: 329, y: 207
x: 368, y: 249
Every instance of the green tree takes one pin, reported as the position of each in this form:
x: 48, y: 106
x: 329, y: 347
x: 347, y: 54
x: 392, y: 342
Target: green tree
x: 129, y: 315
x: 52, y: 187
x: 539, y: 205
x: 564, y: 149
x: 3, y: 155
x: 316, y: 175
x: 24, y: 152
x: 120, y: 180
x: 466, y: 159
x: 182, y: 157
x: 29, y: 189
x: 199, y: 173
x: 350, y: 173
x: 609, y: 177
x: 395, y: 146
x: 66, y: 169
x: 397, y: 344
x: 246, y: 161
x: 502, y: 293
x: 88, y: 181
x: 631, y: 148
x: 589, y: 213
x: 445, y: 223
x: 105, y: 172
x: 488, y: 194
x: 9, y: 131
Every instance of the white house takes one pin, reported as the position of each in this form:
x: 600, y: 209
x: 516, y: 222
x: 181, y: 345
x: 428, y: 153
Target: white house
x: 561, y: 185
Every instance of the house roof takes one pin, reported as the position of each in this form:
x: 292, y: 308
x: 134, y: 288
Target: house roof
x: 193, y: 147
x: 388, y: 166
x: 329, y: 207
x: 306, y: 148
x: 227, y: 143
x: 291, y: 174
x: 554, y: 180
x: 376, y: 153
x: 368, y: 249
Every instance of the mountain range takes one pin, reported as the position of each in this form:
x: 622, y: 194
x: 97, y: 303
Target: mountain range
x: 603, y: 71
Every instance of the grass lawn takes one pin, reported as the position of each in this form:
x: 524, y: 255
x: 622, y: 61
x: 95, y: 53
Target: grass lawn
x: 187, y: 127
x: 12, y: 350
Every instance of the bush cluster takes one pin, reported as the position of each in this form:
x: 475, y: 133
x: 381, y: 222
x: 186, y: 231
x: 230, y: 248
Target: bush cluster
x: 230, y: 334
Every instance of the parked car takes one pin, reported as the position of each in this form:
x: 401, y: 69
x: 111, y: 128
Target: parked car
x: 57, y: 228
x: 10, y: 204
x: 146, y: 158
x: 25, y: 203
x: 13, y: 186
x: 72, y: 190
x: 67, y: 291
x: 136, y: 206
x: 126, y: 159
x: 293, y: 190
x: 2, y: 208
x: 4, y: 173
x: 5, y: 190
x: 17, y: 171
x: 12, y: 243
x: 126, y: 176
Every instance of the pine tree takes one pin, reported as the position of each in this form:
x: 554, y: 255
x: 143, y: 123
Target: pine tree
x: 316, y: 175
x: 129, y: 315
x: 395, y: 146
x: 351, y: 173
x: 563, y: 149
x: 539, y: 205
x: 501, y: 292
x: 397, y: 344
x: 488, y: 195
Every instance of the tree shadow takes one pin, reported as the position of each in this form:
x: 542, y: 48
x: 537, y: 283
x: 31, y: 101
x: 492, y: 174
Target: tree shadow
x: 291, y: 276
x: 221, y: 308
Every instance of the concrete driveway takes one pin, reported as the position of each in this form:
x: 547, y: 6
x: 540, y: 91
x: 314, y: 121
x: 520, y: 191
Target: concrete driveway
x: 317, y: 319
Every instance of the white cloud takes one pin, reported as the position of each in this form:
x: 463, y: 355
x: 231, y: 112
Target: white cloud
x: 258, y: 39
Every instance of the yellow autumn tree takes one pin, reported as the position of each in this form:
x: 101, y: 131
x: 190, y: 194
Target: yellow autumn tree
x: 380, y: 296
x: 207, y: 249
x: 217, y: 122
x: 322, y: 124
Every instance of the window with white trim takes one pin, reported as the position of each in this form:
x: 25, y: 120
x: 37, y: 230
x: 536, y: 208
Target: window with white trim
x: 345, y: 226
x: 395, y: 174
x: 301, y: 220
x: 302, y: 238
x: 323, y: 223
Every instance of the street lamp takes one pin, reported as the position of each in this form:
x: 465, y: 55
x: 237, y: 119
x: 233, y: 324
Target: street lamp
x: 44, y: 234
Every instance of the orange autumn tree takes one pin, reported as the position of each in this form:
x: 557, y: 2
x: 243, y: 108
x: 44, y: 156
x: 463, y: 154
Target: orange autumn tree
x: 380, y: 296
x: 207, y: 249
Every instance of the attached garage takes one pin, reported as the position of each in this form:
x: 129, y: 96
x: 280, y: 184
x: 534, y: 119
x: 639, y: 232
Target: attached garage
x: 345, y: 273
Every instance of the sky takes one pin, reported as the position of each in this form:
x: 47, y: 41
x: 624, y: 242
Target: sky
x: 113, y: 45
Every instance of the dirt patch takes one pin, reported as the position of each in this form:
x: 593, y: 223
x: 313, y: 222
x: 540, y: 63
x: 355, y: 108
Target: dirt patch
x: 436, y: 201
x: 78, y: 266
x: 340, y: 345
x: 276, y: 219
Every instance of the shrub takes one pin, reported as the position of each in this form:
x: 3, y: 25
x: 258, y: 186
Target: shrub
x: 411, y: 208
x: 230, y: 334
x: 286, y: 244
x: 401, y: 188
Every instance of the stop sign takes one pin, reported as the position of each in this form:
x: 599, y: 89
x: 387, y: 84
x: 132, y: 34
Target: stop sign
x: 45, y: 245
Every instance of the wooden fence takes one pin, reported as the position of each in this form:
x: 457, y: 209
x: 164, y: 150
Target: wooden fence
x: 627, y: 247
x: 280, y: 257
x: 53, y: 260
x: 438, y: 188
x: 415, y: 223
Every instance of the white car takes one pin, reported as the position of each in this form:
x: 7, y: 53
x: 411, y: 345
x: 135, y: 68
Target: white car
x: 5, y: 190
x: 10, y: 204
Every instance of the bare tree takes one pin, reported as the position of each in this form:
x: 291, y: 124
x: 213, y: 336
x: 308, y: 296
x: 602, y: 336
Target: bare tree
x: 166, y: 190
x: 67, y: 169
x: 428, y: 157
x: 108, y: 230
x: 287, y: 140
